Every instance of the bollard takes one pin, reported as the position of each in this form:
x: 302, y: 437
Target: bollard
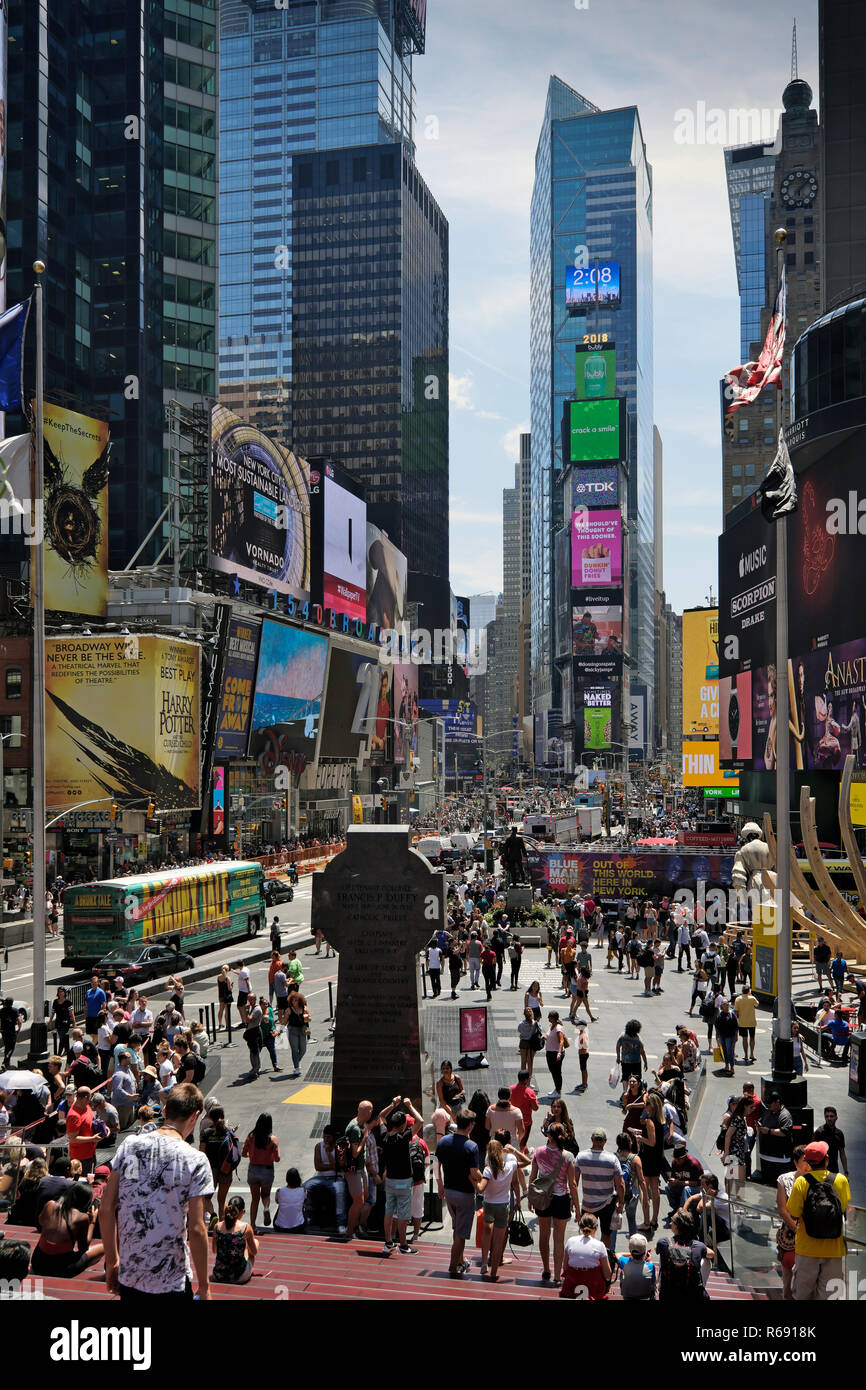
x: 330, y: 999
x: 213, y: 1026
x: 229, y: 1023
x: 424, y: 982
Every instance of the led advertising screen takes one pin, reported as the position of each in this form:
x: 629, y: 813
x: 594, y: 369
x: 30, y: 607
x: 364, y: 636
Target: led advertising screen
x: 382, y: 739
x: 290, y: 682
x: 594, y: 430
x: 701, y: 766
x: 75, y: 511
x: 597, y: 718
x: 406, y: 714
x: 625, y: 875
x: 637, y: 719
x: 596, y: 627
x: 735, y: 720
x: 236, y: 696
x: 562, y: 569
x: 596, y: 549
x: 458, y: 715
x: 386, y: 580
x: 586, y: 286
x: 259, y: 508
x: 825, y: 552
x: 338, y: 516
x: 595, y: 486
x: 567, y: 677
x: 747, y: 594
x: 594, y: 371
x: 827, y: 690
x: 701, y: 672
x: 218, y: 820
x: 350, y: 703
x: 122, y: 720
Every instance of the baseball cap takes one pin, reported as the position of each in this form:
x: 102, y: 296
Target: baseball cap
x: 78, y: 1047
x: 103, y: 1171
x: 598, y: 1133
x: 816, y: 1152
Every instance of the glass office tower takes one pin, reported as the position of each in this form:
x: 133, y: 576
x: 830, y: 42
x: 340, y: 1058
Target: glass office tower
x: 312, y: 75
x: 749, y: 171
x: 593, y: 188
x: 369, y: 328
x: 112, y: 169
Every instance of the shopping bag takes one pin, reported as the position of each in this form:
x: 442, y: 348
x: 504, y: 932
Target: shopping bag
x: 281, y: 1040
x: 718, y: 1054
x: 613, y: 1078
x: 479, y: 1229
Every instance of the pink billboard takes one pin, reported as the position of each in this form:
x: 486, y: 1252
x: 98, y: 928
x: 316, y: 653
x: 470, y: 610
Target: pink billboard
x: 596, y: 548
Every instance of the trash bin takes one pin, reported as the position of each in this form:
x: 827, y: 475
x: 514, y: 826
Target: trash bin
x: 857, y: 1064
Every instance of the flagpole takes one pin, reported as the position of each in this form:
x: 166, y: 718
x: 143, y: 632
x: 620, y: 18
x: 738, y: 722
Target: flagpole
x: 783, y: 1052
x: 39, y: 1029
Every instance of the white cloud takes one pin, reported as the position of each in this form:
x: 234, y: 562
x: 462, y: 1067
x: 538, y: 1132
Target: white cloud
x: 510, y: 441
x: 460, y: 515
x: 460, y: 391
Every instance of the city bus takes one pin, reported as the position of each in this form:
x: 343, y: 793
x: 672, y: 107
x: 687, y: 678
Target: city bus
x: 195, y: 907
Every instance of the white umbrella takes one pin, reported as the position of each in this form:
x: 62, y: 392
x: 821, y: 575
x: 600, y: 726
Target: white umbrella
x: 21, y: 1081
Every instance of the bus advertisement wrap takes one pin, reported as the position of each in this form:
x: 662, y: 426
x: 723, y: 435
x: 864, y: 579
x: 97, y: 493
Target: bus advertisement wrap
x: 122, y: 721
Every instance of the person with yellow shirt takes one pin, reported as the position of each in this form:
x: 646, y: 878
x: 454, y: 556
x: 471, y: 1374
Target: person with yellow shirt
x: 818, y: 1203
x: 745, y: 1005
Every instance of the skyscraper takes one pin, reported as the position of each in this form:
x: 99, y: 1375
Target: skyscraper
x: 593, y: 190
x: 793, y: 202
x: 749, y: 170
x: 112, y: 181
x: 311, y: 75
x: 370, y: 348
x: 842, y: 62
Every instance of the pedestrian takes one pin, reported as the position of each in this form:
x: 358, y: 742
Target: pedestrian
x: 459, y: 1172
x: 727, y: 1030
x: 634, y: 1184
x: 488, y: 969
x: 555, y: 1045
x: 630, y: 1054
x: 801, y: 1061
x: 708, y: 1013
x: 580, y: 995
x: 124, y: 1090
x: 684, y: 945
x: 275, y: 965
x: 515, y: 956
x: 828, y: 1133
x: 455, y: 965
x: 821, y: 955
x: 219, y: 1147
x: 533, y: 1000
x: 62, y: 1019
x: 244, y: 991
x: 499, y: 1180
x: 10, y: 1027
x: 66, y: 1225
x: 552, y: 1161
x: 680, y: 1261
x: 600, y: 1173
x: 646, y: 960
x: 154, y: 1231
x: 253, y: 1038
x: 289, y: 1201
x: 838, y: 969
x: 818, y: 1202
x: 652, y: 1142
x: 434, y: 969
x: 269, y: 1027
x: 397, y: 1172
x: 585, y: 1263
x: 699, y: 988
x: 95, y: 1000
x: 351, y: 1157
x: 525, y: 1099
x: 235, y: 1246
x: 297, y: 1019
x: 263, y: 1151
x: 473, y: 955
x: 658, y: 967
x: 175, y: 984
x: 530, y: 1040
x: 735, y: 1150
x: 505, y: 1116
x: 685, y: 1176
x: 786, y: 1234
x: 449, y: 1089
x: 224, y: 997
x: 745, y: 1006
x: 637, y: 1274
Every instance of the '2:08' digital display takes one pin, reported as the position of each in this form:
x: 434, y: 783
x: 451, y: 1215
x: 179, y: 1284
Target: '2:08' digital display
x: 584, y: 285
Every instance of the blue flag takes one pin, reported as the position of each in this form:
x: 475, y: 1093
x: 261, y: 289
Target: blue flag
x: 11, y: 340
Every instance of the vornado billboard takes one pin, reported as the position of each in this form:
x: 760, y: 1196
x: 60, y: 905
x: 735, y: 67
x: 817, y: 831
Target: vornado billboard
x: 259, y: 508
x: 122, y: 721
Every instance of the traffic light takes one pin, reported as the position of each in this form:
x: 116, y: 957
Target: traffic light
x: 383, y: 801
x: 151, y: 807
x: 112, y: 812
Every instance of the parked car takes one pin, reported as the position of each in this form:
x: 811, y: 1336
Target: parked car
x: 134, y: 964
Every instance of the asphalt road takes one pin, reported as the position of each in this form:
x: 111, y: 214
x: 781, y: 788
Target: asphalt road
x: 17, y: 975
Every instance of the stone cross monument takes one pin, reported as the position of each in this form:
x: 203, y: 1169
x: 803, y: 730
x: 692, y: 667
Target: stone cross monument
x: 378, y: 903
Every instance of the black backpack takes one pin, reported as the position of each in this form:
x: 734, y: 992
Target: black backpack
x: 822, y: 1210
x: 418, y: 1159
x: 682, y: 1280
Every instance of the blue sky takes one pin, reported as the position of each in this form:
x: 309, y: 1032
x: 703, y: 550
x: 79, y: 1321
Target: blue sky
x: 481, y: 89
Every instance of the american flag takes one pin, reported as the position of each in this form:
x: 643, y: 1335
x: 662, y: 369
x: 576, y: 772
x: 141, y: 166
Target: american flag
x: 744, y: 384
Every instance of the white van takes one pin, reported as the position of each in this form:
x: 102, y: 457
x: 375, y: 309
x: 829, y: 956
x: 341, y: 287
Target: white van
x: 463, y: 842
x: 432, y: 846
